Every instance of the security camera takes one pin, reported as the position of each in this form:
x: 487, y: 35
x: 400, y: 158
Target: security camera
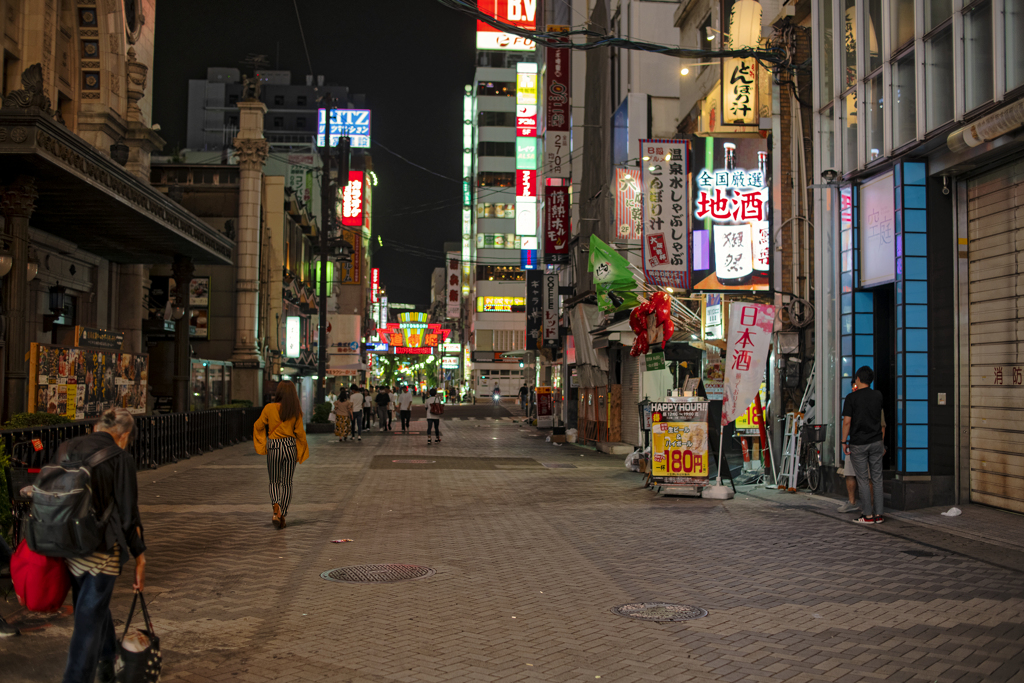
x: 829, y: 175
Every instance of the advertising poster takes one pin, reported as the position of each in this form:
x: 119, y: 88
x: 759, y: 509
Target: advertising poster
x: 516, y: 12
x: 80, y: 383
x: 666, y: 230
x: 629, y: 205
x: 746, y: 354
x: 161, y: 296
x: 731, y: 233
x: 679, y: 439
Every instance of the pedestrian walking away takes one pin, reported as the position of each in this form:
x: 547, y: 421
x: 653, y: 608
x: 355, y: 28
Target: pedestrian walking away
x: 343, y: 416
x: 114, y: 486
x: 435, y: 408
x: 405, y: 408
x: 368, y: 406
x: 356, y: 398
x: 280, y: 435
x: 524, y: 394
x: 382, y: 400
x: 862, y: 443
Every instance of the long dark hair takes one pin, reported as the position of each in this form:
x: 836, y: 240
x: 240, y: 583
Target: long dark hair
x: 289, y: 400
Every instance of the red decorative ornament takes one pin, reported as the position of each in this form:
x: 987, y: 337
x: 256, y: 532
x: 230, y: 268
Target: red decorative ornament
x: 669, y: 329
x: 637, y: 321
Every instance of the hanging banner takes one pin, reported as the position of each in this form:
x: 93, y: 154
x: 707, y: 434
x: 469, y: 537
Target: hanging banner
x: 550, y: 309
x: 454, y: 283
x: 534, y: 309
x: 629, y: 204
x: 556, y: 224
x: 557, y: 113
x: 352, y: 201
x: 679, y: 445
x: 666, y: 231
x: 351, y: 272
x: 747, y: 343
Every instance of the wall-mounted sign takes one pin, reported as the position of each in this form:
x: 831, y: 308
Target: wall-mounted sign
x: 526, y: 120
x: 451, y: 347
x: 453, y: 307
x: 534, y: 309
x: 557, y: 114
x: 526, y: 153
x: 733, y: 251
x: 498, y: 304
x: 666, y: 232
x: 352, y: 200
x: 528, y: 259
x: 450, y: 363
x: 740, y: 96
x: 629, y: 204
x: 550, y: 329
x: 877, y: 231
x: 293, y: 336
x: 353, y: 123
x: 375, y: 285
x: 520, y: 13
x: 556, y: 224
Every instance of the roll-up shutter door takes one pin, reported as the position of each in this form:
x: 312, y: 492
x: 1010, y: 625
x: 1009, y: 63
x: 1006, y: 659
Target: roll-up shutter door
x: 995, y: 213
x: 630, y: 399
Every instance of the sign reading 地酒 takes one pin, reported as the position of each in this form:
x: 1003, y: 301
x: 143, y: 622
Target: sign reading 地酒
x: 666, y: 233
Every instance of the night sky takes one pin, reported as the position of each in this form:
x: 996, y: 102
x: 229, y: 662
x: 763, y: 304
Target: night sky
x: 412, y: 59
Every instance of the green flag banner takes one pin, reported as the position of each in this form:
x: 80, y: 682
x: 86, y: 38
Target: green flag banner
x: 613, y: 279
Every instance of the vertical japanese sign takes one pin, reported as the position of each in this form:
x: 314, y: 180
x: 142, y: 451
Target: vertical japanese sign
x: 734, y: 202
x: 352, y: 271
x: 556, y: 224
x: 629, y: 204
x: 666, y: 232
x: 746, y: 354
x: 679, y: 445
x: 534, y: 309
x: 375, y: 285
x: 352, y: 201
x: 557, y: 113
x: 739, y: 92
x: 526, y: 131
x: 550, y: 309
x: 454, y: 286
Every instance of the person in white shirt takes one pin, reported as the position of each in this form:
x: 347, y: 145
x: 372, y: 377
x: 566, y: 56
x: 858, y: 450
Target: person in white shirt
x: 367, y: 408
x: 405, y: 408
x: 434, y: 414
x: 357, y: 412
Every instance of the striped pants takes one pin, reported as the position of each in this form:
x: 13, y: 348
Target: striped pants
x: 282, y: 456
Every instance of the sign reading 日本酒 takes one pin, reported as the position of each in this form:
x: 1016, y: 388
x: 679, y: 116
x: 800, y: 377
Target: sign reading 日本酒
x: 747, y: 343
x: 666, y: 230
x: 679, y: 439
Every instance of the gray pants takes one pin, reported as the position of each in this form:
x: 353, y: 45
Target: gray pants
x: 867, y: 464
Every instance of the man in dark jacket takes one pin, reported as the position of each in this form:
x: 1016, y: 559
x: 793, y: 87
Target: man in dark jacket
x: 93, y: 643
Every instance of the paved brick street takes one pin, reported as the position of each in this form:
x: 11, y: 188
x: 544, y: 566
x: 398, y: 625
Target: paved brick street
x: 530, y: 561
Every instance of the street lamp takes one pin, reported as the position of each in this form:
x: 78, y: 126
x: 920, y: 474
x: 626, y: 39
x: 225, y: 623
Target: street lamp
x: 6, y: 262
x: 32, y: 269
x: 57, y: 299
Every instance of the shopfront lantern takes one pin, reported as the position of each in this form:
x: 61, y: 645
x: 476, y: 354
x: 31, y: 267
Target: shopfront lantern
x: 57, y: 299
x: 745, y: 24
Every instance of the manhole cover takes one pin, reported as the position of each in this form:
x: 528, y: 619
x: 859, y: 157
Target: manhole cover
x: 415, y: 462
x: 920, y: 553
x: 559, y: 465
x: 377, y: 573
x: 660, y: 611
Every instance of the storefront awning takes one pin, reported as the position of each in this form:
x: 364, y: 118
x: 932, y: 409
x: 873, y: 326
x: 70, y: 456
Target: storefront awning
x: 92, y: 201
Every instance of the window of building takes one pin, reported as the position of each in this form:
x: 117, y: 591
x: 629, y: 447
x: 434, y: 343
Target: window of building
x: 300, y: 122
x: 232, y: 99
x: 938, y: 77
x: 827, y: 48
x: 904, y: 101
x: 496, y: 88
x: 978, y: 54
x: 278, y: 100
x: 901, y: 21
x: 874, y: 45
x: 496, y: 118
x: 500, y: 273
x: 489, y: 148
x: 495, y: 210
x: 495, y: 179
x: 278, y: 122
x: 850, y: 158
x: 850, y: 43
x: 1014, y: 32
x: 936, y: 12
x: 300, y: 101
x: 874, y: 138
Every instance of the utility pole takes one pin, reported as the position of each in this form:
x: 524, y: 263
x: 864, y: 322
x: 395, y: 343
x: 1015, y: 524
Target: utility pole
x: 328, y: 202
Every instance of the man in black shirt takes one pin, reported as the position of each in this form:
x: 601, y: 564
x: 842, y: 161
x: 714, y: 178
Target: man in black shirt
x: 862, y: 443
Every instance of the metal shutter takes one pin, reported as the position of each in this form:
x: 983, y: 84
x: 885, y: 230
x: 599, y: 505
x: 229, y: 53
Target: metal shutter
x: 995, y: 212
x: 630, y: 399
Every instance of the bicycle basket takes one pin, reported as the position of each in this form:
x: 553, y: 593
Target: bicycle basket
x: 815, y: 433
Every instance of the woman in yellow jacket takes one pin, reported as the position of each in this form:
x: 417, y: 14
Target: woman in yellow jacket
x: 280, y: 435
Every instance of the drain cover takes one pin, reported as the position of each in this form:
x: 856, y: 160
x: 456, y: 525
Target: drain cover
x: 415, y: 462
x: 559, y: 465
x: 660, y: 611
x: 377, y: 573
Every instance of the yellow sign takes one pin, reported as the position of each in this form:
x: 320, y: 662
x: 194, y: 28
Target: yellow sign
x: 751, y: 419
x: 526, y: 88
x: 680, y: 439
x: 491, y: 304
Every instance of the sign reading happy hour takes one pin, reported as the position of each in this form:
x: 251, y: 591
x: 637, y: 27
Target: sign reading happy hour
x: 732, y: 233
x: 664, y: 182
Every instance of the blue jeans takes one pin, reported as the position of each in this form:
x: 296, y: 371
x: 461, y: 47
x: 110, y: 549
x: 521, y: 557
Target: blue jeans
x: 93, y: 637
x: 435, y: 425
x: 867, y: 464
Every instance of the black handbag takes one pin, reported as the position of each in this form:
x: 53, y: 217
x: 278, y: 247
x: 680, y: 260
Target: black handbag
x: 138, y: 659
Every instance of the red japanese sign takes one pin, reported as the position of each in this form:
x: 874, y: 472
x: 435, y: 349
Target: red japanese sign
x: 526, y: 183
x: 526, y: 120
x: 556, y: 224
x: 352, y: 200
x: 748, y: 341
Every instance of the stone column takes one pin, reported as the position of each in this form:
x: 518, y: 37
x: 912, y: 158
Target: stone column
x: 252, y: 150
x: 183, y: 270
x: 18, y: 201
x: 130, y: 305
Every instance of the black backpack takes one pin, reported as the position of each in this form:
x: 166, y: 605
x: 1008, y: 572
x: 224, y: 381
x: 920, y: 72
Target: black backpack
x: 62, y: 521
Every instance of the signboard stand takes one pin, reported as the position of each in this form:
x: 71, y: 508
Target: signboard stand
x: 679, y: 448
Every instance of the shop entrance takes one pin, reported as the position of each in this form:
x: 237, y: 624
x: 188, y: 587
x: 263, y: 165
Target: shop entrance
x: 885, y: 364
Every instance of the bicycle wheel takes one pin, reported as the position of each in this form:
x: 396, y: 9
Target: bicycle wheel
x: 813, y: 476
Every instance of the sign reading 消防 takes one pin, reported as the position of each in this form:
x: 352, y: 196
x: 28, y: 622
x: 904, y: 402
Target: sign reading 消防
x: 747, y: 344
x: 534, y: 309
x: 666, y: 229
x: 629, y: 204
x: 556, y: 224
x: 679, y: 445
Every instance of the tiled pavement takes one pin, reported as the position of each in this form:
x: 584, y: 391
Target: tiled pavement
x: 530, y: 561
